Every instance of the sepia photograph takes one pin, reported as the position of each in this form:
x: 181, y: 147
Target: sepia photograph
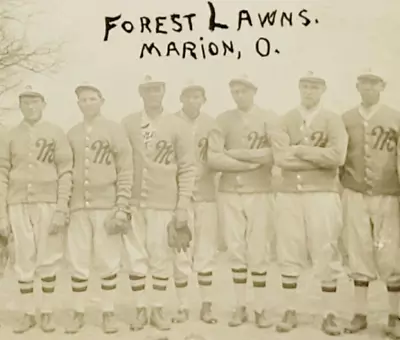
x: 199, y: 170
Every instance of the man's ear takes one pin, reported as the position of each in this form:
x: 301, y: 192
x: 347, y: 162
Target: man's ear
x: 382, y: 85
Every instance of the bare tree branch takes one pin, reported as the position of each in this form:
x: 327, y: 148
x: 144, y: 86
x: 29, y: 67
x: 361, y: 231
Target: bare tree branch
x: 17, y: 56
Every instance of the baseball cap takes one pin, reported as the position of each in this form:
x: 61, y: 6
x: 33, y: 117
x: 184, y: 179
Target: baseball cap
x: 149, y: 81
x: 243, y: 79
x: 312, y: 77
x: 32, y: 91
x: 87, y: 86
x: 191, y: 85
x: 370, y: 73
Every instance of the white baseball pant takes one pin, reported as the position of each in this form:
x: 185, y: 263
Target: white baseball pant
x: 150, y: 230
x: 203, y: 221
x: 308, y: 226
x: 36, y: 252
x: 87, y: 235
x: 248, y: 227
x: 372, y: 236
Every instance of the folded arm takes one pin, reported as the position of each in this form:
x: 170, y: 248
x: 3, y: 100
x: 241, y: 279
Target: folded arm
x: 219, y: 159
x: 334, y: 154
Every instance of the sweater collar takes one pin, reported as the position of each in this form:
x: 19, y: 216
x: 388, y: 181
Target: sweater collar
x: 309, y: 115
x: 370, y: 112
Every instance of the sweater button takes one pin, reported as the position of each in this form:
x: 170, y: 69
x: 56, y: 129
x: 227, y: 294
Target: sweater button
x: 299, y: 187
x: 298, y: 177
x: 365, y: 124
x: 87, y: 203
x: 86, y: 182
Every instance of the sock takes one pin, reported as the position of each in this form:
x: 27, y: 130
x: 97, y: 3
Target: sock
x: 259, y: 284
x: 240, y: 285
x: 159, y: 291
x: 181, y: 287
x: 108, y: 287
x: 48, y: 287
x: 361, y: 297
x: 329, y: 296
x: 204, y: 280
x: 289, y: 285
x: 27, y: 296
x: 394, y: 298
x: 138, y: 286
x: 79, y: 288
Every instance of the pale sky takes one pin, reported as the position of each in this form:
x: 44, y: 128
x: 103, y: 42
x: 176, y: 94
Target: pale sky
x: 351, y: 35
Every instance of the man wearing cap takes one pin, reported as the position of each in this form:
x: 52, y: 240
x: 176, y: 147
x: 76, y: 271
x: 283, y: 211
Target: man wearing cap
x: 203, y: 212
x: 370, y: 198
x: 239, y: 147
x: 309, y: 147
x: 164, y: 175
x: 39, y: 185
x: 100, y: 213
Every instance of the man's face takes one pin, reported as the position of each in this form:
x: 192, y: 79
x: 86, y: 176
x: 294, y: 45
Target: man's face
x: 32, y: 108
x: 192, y: 101
x: 370, y: 90
x: 243, y: 95
x: 152, y: 95
x: 311, y: 93
x: 90, y: 103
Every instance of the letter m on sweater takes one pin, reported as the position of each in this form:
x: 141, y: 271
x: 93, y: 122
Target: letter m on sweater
x: 46, y: 150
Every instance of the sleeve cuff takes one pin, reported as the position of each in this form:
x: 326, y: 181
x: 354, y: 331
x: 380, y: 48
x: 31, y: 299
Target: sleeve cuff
x: 122, y: 202
x: 183, y: 202
x: 62, y: 206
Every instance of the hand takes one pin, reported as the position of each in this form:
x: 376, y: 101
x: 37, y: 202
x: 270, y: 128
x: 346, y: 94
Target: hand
x: 121, y: 215
x: 60, y: 220
x: 181, y: 218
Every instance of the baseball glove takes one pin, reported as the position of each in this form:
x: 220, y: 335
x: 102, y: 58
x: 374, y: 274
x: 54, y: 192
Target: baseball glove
x: 179, y: 238
x: 116, y: 225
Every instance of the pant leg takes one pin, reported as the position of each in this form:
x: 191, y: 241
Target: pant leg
x: 385, y: 217
x: 79, y: 247
x: 290, y: 234
x: 205, y: 236
x: 259, y: 209
x: 234, y: 220
x: 50, y: 250
x: 24, y: 242
x: 357, y: 236
x: 135, y: 244
x: 107, y: 248
x: 323, y: 215
x: 161, y: 256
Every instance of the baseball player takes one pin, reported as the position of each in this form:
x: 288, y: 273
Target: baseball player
x: 309, y: 147
x: 100, y: 213
x: 164, y: 170
x: 239, y: 147
x: 370, y: 199
x: 39, y: 184
x: 203, y: 212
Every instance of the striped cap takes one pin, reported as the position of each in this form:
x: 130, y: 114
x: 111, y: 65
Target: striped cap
x: 370, y: 73
x: 32, y: 91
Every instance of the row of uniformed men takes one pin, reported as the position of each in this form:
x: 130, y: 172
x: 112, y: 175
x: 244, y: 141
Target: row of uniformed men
x: 147, y: 174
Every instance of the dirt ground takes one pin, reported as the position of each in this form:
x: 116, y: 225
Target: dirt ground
x: 310, y: 310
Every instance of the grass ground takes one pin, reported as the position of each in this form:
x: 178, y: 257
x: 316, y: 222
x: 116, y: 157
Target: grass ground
x: 310, y: 309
